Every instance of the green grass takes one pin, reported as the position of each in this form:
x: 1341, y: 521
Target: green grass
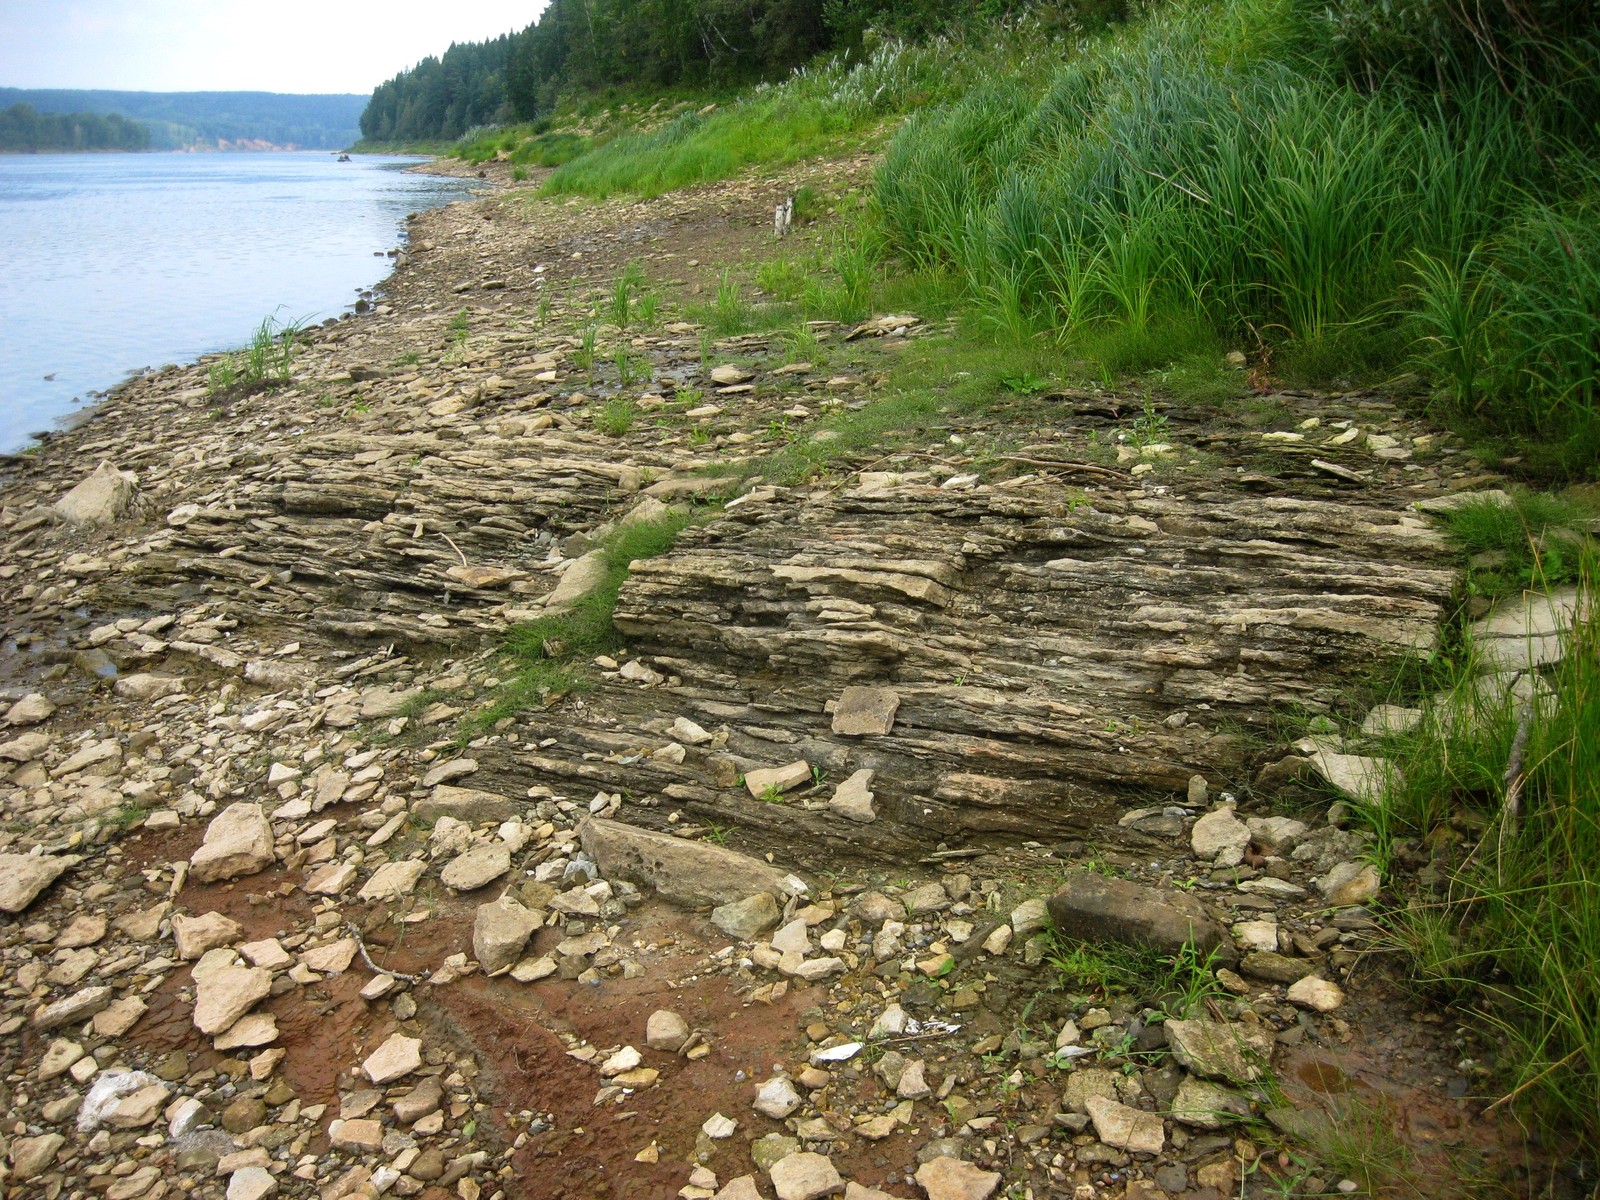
x: 616, y: 416
x: 522, y: 145
x: 1207, y: 178
x: 1532, y: 542
x: 1514, y: 932
x: 817, y: 109
x: 267, y: 361
x: 550, y: 657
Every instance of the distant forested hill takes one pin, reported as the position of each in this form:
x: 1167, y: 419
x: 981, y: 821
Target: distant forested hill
x: 25, y: 130
x: 180, y: 120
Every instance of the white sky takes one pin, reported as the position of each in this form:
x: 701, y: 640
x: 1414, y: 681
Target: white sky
x: 232, y: 45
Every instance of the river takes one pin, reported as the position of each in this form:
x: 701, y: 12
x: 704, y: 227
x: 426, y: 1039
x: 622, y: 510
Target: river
x: 113, y: 263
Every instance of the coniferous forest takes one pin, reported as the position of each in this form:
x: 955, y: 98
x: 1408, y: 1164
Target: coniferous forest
x: 592, y: 45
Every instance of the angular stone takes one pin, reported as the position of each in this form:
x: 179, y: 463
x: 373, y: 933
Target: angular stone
x: 252, y: 1183
x: 1085, y: 1083
x: 380, y: 704
x: 393, y: 880
x: 85, y: 930
x: 683, y: 871
x: 478, y: 867
x: 33, y: 1156
x: 1094, y: 907
x: 248, y: 1032
x: 500, y: 930
x: 666, y: 1031
x: 118, y: 1018
x: 762, y: 782
x: 419, y: 1101
x: 226, y: 994
x: 580, y: 578
x: 195, y: 935
x: 79, y: 1006
x: 749, y: 918
x: 1320, y: 995
x: 865, y: 711
x: 24, y: 876
x: 1203, y: 1105
x: 805, y: 1176
x: 777, y: 1098
x: 1275, y: 967
x: 742, y: 1188
x: 332, y: 959
x: 1216, y: 1050
x: 465, y: 804
x: 948, y: 1178
x: 268, y: 953
x: 238, y: 842
x: 103, y: 497
x: 853, y: 799
x: 1031, y: 917
x: 330, y: 879
x: 1220, y: 837
x: 138, y: 1108
x: 360, y: 1134
x: 399, y: 1055
x: 1389, y: 720
x: 1350, y: 883
x: 1357, y: 776
x: 30, y: 710
x: 26, y: 748
x: 1125, y: 1128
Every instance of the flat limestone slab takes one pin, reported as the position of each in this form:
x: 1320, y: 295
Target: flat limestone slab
x: 683, y: 871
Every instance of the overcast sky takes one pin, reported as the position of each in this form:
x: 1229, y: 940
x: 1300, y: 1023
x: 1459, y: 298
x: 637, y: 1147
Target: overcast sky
x: 230, y: 45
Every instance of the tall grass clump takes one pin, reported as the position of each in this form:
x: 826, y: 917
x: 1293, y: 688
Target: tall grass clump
x: 267, y: 361
x: 1213, y: 174
x: 1516, y: 931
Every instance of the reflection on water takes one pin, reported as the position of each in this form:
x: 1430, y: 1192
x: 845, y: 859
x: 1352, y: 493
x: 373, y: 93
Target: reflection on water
x: 110, y: 263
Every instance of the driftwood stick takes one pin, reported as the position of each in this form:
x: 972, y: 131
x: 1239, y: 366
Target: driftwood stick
x: 361, y: 945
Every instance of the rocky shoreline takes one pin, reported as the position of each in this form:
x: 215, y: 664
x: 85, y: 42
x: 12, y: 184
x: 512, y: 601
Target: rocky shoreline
x: 763, y: 911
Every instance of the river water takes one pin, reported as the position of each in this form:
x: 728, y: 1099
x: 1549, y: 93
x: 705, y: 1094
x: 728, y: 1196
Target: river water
x: 111, y: 263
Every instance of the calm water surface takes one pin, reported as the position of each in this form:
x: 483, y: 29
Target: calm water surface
x: 110, y: 263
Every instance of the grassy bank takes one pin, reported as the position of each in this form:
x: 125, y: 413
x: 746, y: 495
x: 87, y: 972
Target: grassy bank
x: 818, y: 109
x: 1499, y: 790
x: 1210, y: 177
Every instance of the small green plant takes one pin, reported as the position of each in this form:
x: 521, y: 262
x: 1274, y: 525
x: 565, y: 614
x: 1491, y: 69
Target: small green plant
x: 583, y: 356
x: 716, y: 834
x: 730, y: 314
x: 620, y: 309
x: 409, y: 359
x: 616, y: 416
x: 223, y: 376
x: 459, y: 327
x: 1026, y: 384
x: 649, y: 309
x: 1149, y: 427
x: 629, y: 371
